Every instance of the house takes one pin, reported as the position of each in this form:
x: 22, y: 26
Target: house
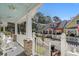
x: 61, y: 27
x: 72, y: 26
x: 48, y: 29
x: 55, y: 27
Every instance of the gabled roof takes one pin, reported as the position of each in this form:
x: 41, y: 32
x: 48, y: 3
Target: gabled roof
x: 50, y: 25
x: 74, y: 18
x: 62, y: 24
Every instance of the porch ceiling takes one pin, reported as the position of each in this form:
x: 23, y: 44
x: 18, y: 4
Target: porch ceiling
x: 12, y: 12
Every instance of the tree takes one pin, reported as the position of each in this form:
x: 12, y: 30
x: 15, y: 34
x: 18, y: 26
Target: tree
x: 39, y: 14
x: 48, y: 19
x: 33, y: 27
x: 40, y: 18
x: 56, y: 19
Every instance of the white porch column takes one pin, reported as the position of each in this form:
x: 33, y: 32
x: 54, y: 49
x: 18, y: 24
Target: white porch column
x: 63, y: 44
x: 29, y: 28
x: 74, y: 49
x: 77, y: 33
x: 29, y: 23
x: 15, y: 36
x: 4, y: 25
x: 3, y: 28
x: 15, y: 28
x: 33, y: 45
x: 29, y: 43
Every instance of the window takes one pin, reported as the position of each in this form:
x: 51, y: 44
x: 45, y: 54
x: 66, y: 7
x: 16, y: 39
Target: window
x: 1, y: 28
x: 77, y: 21
x: 18, y: 27
x: 22, y: 28
x: 10, y: 27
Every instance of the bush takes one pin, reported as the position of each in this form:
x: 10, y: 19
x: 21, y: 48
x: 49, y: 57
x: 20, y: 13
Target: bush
x: 7, y: 33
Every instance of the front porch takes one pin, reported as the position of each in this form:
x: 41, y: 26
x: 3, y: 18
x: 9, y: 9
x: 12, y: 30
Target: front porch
x: 18, y: 27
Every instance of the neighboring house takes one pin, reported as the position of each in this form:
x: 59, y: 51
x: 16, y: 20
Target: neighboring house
x: 40, y: 27
x: 50, y: 28
x: 72, y: 26
x: 61, y: 27
x: 55, y: 27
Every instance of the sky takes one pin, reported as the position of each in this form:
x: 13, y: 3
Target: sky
x: 63, y: 10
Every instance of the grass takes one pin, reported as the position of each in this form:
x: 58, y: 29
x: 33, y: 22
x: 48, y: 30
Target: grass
x: 40, y: 50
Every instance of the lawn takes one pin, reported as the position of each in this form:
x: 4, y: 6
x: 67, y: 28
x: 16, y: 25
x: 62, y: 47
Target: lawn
x: 40, y: 50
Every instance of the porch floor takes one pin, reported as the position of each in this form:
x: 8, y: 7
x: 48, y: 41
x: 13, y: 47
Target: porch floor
x: 15, y: 51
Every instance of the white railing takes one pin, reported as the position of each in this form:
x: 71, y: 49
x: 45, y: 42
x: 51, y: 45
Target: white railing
x: 42, y: 48
x: 69, y: 53
x: 70, y: 45
x: 56, y: 37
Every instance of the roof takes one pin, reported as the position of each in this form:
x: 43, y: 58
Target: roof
x: 72, y: 20
x: 62, y: 24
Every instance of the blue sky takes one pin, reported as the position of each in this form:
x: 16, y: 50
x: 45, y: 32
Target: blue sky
x: 64, y: 10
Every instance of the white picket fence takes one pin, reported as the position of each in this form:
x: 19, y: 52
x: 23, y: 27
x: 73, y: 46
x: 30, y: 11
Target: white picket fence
x: 40, y: 48
x: 44, y: 48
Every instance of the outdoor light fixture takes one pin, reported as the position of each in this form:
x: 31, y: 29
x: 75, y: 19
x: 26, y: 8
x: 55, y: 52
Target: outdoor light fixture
x: 0, y: 22
x: 12, y: 7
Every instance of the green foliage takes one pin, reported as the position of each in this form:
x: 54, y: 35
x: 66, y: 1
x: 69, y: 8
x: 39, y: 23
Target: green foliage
x: 42, y: 20
x: 33, y: 27
x: 7, y: 33
x: 56, y: 19
x: 40, y: 50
